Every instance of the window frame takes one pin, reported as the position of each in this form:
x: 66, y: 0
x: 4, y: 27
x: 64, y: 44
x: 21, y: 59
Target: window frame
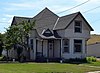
x: 65, y: 46
x: 78, y: 27
x: 31, y: 43
x: 78, y: 44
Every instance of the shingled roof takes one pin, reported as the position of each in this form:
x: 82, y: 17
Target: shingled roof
x: 46, y: 19
x: 62, y: 23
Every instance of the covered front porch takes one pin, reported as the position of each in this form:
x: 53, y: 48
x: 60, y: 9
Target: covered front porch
x: 48, y: 49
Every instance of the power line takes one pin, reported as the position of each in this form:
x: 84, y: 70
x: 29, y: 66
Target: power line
x: 65, y: 10
x: 74, y: 7
x: 91, y: 9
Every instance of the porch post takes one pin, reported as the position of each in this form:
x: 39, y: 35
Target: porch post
x: 42, y: 48
x: 48, y: 49
x: 53, y: 49
x: 61, y: 47
x: 36, y: 48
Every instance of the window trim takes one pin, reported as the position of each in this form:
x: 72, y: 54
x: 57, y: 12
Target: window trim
x: 64, y: 46
x: 80, y: 27
x: 31, y: 45
x: 78, y: 44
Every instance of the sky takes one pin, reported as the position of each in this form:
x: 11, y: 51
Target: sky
x: 29, y: 8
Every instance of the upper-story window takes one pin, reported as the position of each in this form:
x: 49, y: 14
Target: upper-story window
x: 66, y: 45
x: 78, y: 27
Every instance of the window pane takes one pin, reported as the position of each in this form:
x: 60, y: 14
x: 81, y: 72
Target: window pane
x: 77, y: 23
x: 77, y: 29
x: 31, y: 43
x: 77, y: 41
x: 66, y: 45
x: 77, y: 48
x: 66, y: 49
x: 65, y: 42
x: 77, y: 45
x: 78, y: 26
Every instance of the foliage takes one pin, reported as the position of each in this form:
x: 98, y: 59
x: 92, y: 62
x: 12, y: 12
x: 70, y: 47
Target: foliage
x: 18, y: 34
x: 75, y: 60
x: 91, y: 59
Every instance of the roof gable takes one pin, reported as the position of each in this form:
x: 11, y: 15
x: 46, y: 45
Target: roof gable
x: 62, y: 24
x: 86, y: 21
x: 44, y: 13
x: 46, y: 19
x: 64, y: 21
x: 47, y: 33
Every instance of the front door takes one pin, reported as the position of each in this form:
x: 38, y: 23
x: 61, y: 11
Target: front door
x: 51, y: 48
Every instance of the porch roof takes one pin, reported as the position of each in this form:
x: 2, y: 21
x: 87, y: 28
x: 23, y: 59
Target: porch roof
x: 50, y: 37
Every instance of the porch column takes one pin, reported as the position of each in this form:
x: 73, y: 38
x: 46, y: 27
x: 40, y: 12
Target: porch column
x: 42, y: 48
x: 36, y: 47
x: 48, y: 50
x: 61, y: 47
x: 53, y: 49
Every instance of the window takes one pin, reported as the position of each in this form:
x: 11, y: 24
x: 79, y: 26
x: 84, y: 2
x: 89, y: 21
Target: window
x: 77, y: 45
x: 47, y: 33
x: 50, y: 42
x: 31, y: 43
x: 78, y: 27
x: 66, y: 45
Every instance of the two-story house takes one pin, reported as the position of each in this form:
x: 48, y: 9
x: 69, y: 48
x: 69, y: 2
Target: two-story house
x: 57, y: 37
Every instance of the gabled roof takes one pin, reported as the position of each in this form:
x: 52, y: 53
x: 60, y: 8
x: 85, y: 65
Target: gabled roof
x: 18, y: 20
x: 62, y: 24
x: 44, y: 13
x: 46, y: 19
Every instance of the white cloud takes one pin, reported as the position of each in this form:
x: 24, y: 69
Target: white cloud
x: 22, y: 4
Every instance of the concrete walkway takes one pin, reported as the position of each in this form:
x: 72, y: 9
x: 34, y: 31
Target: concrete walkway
x: 94, y: 72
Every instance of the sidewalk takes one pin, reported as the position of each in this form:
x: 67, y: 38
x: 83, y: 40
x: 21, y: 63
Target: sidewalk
x: 94, y: 72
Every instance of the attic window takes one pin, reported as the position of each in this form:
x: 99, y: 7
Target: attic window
x: 78, y: 27
x: 47, y: 33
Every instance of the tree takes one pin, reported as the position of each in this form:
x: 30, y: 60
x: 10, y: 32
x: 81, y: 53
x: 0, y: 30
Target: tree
x: 18, y: 34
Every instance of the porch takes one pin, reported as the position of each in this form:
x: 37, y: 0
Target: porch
x: 48, y: 50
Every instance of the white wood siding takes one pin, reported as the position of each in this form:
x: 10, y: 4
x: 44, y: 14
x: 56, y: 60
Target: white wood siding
x: 71, y: 54
x: 69, y: 31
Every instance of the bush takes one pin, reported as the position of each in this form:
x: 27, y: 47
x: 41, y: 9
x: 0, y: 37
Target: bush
x: 75, y: 60
x: 91, y: 59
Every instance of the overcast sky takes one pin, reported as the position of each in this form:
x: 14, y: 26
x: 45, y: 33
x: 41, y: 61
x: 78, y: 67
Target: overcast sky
x: 29, y: 8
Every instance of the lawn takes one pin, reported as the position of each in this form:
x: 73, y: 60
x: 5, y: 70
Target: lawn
x: 45, y: 68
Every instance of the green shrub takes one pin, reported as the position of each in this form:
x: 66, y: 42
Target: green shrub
x: 91, y: 59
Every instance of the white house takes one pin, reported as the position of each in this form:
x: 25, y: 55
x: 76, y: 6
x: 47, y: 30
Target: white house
x: 57, y: 37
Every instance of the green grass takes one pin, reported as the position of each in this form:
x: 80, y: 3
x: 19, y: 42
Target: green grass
x: 94, y: 64
x: 45, y: 67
